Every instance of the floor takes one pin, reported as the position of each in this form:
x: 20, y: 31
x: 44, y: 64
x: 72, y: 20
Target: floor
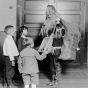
x: 71, y: 78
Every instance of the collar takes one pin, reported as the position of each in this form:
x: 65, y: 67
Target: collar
x: 9, y: 36
x: 23, y: 36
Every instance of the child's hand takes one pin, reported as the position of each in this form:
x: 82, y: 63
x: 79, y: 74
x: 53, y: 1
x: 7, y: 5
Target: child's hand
x: 37, y: 48
x: 44, y: 54
x: 13, y: 63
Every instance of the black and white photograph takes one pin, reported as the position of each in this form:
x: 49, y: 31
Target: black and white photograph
x: 43, y: 44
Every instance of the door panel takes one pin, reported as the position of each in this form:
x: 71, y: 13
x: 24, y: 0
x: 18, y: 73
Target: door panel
x: 74, y: 18
x: 34, y: 18
x: 35, y: 5
x: 68, y: 5
x: 34, y: 12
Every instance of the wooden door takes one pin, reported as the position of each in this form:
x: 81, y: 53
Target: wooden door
x: 33, y: 15
x: 74, y: 11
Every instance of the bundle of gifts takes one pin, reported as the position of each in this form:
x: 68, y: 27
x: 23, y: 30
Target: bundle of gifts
x: 46, y: 45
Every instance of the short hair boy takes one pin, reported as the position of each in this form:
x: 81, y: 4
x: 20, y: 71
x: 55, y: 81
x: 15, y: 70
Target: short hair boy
x: 9, y: 52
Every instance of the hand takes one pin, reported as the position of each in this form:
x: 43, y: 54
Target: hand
x: 13, y: 63
x: 37, y: 48
x: 44, y: 54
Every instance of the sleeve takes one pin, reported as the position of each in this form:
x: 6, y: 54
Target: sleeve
x: 9, y: 50
x: 22, y: 53
x: 19, y: 64
x: 40, y: 57
x: 43, y: 44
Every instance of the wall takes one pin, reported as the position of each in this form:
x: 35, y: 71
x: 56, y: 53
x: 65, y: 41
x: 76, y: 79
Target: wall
x: 2, y: 37
x: 87, y: 28
x: 7, y: 17
x: 87, y: 15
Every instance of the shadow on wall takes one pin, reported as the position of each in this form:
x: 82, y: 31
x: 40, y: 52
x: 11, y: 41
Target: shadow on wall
x: 2, y: 38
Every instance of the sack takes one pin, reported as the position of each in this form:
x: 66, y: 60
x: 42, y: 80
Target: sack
x: 65, y: 51
x: 68, y: 50
x: 71, y: 41
x: 67, y: 54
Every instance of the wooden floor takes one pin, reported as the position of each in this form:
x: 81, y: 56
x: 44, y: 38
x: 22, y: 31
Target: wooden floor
x: 72, y: 78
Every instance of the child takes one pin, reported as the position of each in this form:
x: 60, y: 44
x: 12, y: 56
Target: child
x: 24, y: 31
x: 29, y: 67
x: 9, y: 52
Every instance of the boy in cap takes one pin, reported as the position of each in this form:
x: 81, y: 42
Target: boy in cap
x: 28, y: 65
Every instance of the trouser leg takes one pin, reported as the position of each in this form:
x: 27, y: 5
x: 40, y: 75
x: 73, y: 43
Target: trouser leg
x: 57, y: 69
x: 9, y: 70
x: 57, y: 75
x: 52, y: 66
x: 58, y: 72
x: 17, y: 75
x: 34, y: 80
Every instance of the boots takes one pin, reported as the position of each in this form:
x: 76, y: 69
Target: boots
x: 52, y: 82
x: 56, y: 84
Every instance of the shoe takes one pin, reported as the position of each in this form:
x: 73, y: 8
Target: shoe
x: 51, y: 83
x: 15, y: 83
x: 56, y: 85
